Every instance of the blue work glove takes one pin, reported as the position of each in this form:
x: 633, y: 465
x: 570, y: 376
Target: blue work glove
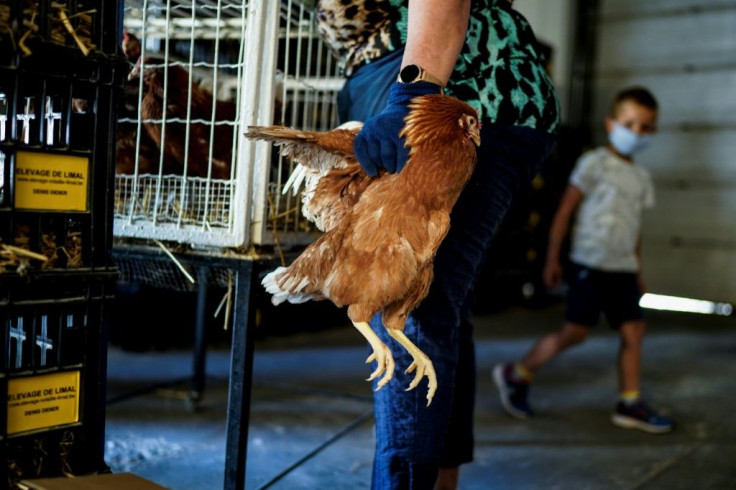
x: 378, y: 145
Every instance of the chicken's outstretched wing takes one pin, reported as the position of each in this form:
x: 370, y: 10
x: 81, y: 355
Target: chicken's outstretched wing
x: 333, y: 180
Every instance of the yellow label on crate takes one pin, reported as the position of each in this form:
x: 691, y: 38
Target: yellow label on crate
x: 51, y: 182
x: 43, y: 401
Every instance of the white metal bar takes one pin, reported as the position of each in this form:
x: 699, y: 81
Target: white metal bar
x: 187, y: 233
x: 295, y: 99
x: 325, y: 110
x: 309, y: 94
x: 317, y: 124
x: 185, y: 24
x: 139, y: 126
x: 281, y: 161
x: 188, y: 122
x: 212, y: 119
x: 253, y: 164
x: 180, y: 120
x: 243, y: 221
x: 164, y: 104
x: 198, y: 64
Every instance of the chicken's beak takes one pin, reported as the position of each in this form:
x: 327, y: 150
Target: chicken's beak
x: 475, y: 136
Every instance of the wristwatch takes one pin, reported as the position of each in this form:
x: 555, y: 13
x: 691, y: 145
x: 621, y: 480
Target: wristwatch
x: 415, y: 73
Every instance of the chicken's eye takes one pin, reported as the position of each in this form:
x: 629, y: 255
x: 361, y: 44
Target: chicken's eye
x: 471, y: 122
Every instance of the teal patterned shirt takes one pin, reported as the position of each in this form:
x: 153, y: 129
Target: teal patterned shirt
x: 500, y: 71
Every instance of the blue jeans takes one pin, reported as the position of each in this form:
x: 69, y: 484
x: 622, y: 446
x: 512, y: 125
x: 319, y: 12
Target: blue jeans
x: 412, y: 440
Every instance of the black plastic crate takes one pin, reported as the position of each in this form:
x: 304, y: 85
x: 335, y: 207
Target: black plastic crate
x: 61, y: 77
x: 31, y: 27
x: 52, y: 373
x: 58, y: 112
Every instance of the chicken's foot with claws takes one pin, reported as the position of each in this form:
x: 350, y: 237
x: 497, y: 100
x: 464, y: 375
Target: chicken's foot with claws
x: 381, y: 354
x: 422, y: 364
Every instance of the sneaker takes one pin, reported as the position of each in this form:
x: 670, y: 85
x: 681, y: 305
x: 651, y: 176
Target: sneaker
x: 639, y: 416
x: 513, y: 393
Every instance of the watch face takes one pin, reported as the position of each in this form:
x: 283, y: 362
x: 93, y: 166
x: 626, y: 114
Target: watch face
x: 409, y: 73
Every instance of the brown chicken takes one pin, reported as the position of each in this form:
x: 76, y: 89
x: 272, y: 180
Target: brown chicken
x: 131, y: 46
x: 179, y: 96
x: 381, y: 233
x: 129, y: 143
x: 147, y: 145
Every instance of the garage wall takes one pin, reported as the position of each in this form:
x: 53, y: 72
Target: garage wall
x: 685, y: 52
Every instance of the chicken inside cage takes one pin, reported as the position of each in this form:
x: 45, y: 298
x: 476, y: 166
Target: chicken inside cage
x: 175, y: 139
x: 187, y: 102
x: 186, y: 131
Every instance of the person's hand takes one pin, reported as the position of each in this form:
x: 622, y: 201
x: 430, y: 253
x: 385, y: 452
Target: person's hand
x: 552, y: 274
x: 378, y: 145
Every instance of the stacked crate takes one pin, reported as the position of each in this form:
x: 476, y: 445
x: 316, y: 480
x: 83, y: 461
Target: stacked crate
x: 60, y: 80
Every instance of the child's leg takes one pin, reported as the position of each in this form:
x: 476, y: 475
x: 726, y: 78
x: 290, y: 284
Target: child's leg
x: 629, y: 355
x: 583, y: 311
x: 512, y: 379
x: 552, y: 344
x: 631, y: 412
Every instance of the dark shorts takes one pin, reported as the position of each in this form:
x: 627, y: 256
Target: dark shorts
x: 593, y: 291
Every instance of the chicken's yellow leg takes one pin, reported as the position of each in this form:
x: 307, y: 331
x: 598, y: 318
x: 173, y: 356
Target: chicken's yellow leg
x: 422, y: 364
x: 381, y: 354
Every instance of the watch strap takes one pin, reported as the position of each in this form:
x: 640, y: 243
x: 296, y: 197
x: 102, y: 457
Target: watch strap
x: 422, y: 75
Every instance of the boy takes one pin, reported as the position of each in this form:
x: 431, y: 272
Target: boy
x: 609, y: 193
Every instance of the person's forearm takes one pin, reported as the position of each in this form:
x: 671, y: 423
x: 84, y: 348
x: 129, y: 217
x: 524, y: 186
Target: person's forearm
x: 561, y: 222
x: 556, y: 235
x: 436, y: 33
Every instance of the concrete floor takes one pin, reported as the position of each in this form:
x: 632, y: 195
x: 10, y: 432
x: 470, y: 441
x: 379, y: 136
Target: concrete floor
x: 308, y: 387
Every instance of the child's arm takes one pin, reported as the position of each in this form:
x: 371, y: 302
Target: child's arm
x: 568, y: 204
x: 639, y: 274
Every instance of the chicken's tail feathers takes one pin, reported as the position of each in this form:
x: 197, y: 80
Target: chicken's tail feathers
x: 279, y: 134
x: 286, y: 290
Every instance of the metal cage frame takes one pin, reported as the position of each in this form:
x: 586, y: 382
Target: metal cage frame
x: 281, y: 60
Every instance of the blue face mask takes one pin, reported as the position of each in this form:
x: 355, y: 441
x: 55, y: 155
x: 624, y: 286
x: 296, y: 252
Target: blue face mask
x: 627, y: 142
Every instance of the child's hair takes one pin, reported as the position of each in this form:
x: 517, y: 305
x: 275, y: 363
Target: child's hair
x: 638, y: 94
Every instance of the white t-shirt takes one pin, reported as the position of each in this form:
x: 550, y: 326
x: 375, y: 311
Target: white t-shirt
x: 609, y: 217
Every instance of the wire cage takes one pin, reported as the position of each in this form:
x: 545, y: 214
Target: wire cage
x: 202, y: 72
